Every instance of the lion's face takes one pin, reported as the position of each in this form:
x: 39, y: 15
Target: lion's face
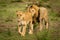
x: 33, y: 9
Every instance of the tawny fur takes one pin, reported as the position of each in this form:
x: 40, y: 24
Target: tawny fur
x: 24, y: 18
x: 41, y: 13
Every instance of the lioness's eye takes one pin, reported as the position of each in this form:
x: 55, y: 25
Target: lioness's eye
x: 20, y: 15
x: 17, y: 15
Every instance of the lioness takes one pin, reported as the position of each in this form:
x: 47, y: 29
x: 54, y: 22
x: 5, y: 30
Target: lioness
x: 24, y: 18
x: 41, y: 13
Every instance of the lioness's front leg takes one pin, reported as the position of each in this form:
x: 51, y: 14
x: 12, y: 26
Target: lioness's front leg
x: 31, y: 28
x: 19, y: 28
x: 24, y: 30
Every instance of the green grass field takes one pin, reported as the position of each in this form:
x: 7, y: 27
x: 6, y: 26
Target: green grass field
x: 8, y: 24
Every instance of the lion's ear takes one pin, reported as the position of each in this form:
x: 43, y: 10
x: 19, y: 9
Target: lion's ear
x: 31, y: 6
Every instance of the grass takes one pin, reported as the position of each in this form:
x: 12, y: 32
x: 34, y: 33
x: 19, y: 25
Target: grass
x: 8, y: 24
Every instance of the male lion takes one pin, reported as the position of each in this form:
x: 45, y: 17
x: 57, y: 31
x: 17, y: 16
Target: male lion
x: 24, y: 18
x: 41, y: 13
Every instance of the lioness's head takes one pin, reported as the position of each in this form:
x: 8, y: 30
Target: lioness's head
x: 20, y: 15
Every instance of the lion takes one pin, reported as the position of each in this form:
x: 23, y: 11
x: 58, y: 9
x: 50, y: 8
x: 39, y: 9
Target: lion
x: 34, y: 12
x: 41, y: 13
x: 24, y: 18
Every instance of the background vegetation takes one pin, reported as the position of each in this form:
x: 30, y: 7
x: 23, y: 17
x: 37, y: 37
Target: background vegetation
x: 8, y: 23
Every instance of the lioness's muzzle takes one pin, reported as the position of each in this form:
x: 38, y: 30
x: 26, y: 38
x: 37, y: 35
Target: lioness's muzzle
x: 22, y: 23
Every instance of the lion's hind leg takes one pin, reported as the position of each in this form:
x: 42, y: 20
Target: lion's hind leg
x: 46, y: 22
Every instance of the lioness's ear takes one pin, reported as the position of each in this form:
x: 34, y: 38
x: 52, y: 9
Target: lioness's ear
x: 16, y: 11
